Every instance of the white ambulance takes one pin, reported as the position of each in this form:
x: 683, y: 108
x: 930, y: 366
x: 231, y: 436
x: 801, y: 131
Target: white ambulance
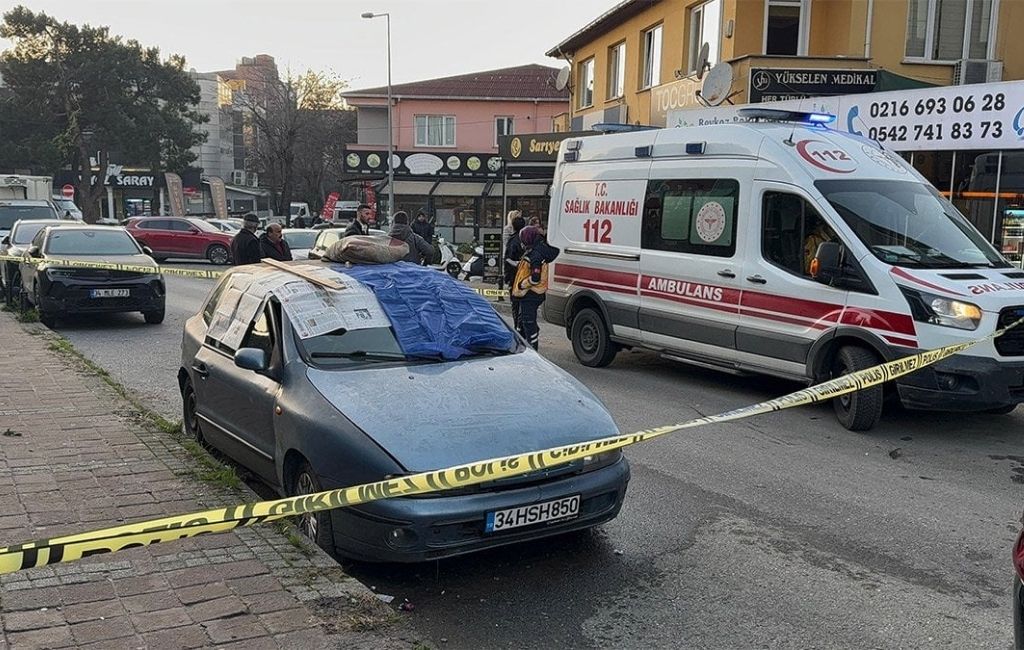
x: 698, y: 243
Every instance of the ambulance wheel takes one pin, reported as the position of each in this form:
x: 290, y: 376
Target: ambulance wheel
x: 590, y: 339
x: 861, y: 410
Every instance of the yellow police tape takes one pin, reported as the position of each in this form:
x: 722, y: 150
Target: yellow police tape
x: 112, y: 266
x: 490, y: 293
x: 108, y: 540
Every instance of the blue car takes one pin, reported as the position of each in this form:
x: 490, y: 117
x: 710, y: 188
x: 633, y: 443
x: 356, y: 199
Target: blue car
x: 321, y: 376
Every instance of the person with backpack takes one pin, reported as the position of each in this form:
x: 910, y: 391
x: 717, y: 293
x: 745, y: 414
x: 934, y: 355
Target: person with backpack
x: 530, y: 285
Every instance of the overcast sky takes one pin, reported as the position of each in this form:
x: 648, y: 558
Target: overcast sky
x: 429, y: 38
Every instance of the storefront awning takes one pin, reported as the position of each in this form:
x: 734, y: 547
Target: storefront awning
x: 885, y: 80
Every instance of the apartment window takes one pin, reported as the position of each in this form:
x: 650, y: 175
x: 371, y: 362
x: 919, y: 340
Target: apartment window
x: 652, y: 57
x: 435, y: 130
x: 617, y: 70
x: 705, y: 27
x: 586, y: 83
x: 785, y: 31
x: 502, y: 126
x: 947, y: 30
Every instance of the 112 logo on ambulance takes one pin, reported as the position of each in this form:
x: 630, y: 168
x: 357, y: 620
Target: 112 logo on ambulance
x: 602, y: 212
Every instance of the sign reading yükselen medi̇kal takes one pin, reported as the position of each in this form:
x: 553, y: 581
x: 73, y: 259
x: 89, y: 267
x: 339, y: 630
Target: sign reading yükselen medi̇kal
x: 973, y: 116
x: 779, y: 84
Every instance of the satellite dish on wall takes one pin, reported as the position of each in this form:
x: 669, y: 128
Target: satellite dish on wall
x: 717, y: 84
x: 702, y: 60
x: 562, y: 79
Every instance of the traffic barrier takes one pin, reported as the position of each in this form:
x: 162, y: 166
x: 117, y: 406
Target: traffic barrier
x: 68, y: 548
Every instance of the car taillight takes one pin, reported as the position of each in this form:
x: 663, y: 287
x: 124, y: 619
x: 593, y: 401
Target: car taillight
x: 1018, y: 556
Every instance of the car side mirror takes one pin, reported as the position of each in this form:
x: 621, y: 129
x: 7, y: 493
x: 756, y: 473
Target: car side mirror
x: 829, y: 267
x: 6, y: 241
x: 251, y: 359
x: 193, y: 231
x: 34, y: 251
x: 147, y: 250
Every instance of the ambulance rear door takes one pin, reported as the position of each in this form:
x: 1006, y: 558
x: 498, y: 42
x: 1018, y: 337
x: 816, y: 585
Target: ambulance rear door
x: 598, y: 230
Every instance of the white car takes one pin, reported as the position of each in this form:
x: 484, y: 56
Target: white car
x: 66, y: 207
x: 301, y: 241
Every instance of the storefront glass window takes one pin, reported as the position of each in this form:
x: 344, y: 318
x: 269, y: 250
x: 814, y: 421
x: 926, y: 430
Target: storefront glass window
x: 1010, y: 224
x: 937, y: 167
x: 460, y: 212
x: 492, y: 212
x: 411, y: 204
x: 974, y: 186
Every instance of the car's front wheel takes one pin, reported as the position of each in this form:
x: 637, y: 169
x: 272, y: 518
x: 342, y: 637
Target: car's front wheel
x: 47, y: 319
x: 218, y: 254
x: 190, y: 413
x: 860, y: 410
x: 317, y: 525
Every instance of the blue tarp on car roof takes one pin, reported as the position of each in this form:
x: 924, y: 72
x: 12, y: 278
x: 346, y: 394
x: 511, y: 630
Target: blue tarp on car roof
x: 433, y: 315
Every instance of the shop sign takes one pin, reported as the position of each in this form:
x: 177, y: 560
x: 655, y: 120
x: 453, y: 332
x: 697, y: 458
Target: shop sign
x: 492, y: 255
x: 780, y: 84
x: 975, y: 116
x: 672, y: 96
x: 535, y: 147
x: 410, y: 163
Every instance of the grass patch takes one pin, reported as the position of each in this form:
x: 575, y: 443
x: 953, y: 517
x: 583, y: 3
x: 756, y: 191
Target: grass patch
x: 210, y: 470
x: 28, y: 316
x: 369, y: 614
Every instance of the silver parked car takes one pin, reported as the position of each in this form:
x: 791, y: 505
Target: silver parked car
x: 404, y: 370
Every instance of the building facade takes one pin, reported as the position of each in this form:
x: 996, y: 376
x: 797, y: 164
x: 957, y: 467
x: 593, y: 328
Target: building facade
x: 938, y: 81
x: 445, y: 137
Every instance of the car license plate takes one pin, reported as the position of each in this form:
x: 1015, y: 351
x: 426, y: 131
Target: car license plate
x: 537, y: 513
x: 110, y: 293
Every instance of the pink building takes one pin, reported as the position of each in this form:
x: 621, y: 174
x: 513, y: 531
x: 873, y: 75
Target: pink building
x: 445, y: 135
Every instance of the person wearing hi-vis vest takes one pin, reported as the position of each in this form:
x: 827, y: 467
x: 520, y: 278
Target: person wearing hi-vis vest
x: 531, y: 282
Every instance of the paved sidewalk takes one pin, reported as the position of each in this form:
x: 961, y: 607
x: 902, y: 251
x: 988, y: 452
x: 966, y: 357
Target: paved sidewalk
x: 76, y: 456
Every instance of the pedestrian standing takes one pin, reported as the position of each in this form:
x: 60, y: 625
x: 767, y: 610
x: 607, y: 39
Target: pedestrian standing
x: 245, y: 247
x: 361, y: 224
x: 423, y: 227
x: 531, y: 282
x: 420, y: 250
x: 273, y: 245
x: 513, y: 253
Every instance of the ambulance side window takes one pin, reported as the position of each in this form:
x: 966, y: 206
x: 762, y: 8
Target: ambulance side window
x: 691, y: 216
x: 791, y: 232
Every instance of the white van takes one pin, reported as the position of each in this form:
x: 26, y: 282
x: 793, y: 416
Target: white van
x: 698, y: 243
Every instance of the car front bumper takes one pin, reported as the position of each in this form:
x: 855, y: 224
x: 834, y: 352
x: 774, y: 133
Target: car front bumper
x: 439, y: 527
x: 964, y: 383
x: 73, y: 296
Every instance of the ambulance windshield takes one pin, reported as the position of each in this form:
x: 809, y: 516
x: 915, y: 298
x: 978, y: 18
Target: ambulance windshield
x: 906, y: 223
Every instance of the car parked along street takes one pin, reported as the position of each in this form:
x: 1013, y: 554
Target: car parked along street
x: 16, y: 244
x: 278, y: 374
x: 59, y: 291
x: 182, y: 237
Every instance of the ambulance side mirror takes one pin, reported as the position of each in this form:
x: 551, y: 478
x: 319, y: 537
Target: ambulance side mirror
x: 827, y: 265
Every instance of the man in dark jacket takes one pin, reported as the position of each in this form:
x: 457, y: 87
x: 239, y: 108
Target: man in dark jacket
x: 423, y: 227
x: 361, y: 224
x: 420, y: 251
x: 273, y: 245
x: 245, y: 247
x: 530, y: 290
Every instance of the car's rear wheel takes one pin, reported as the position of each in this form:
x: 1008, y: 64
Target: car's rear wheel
x: 316, y: 526
x: 218, y: 254
x: 860, y: 410
x: 590, y: 339
x: 190, y: 412
x: 154, y: 317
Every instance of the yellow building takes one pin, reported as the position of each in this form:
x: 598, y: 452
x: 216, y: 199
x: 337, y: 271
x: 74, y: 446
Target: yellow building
x: 639, y: 60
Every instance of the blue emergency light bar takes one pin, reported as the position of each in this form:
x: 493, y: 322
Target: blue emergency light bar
x: 781, y: 115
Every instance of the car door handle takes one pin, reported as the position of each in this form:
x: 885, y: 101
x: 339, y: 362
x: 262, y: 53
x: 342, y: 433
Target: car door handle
x: 727, y: 273
x: 756, y: 279
x: 200, y: 369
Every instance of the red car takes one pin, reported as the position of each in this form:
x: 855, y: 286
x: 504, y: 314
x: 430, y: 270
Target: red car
x: 181, y: 237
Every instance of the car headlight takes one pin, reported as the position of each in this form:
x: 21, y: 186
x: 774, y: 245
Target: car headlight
x: 602, y: 459
x: 53, y: 273
x: 940, y: 310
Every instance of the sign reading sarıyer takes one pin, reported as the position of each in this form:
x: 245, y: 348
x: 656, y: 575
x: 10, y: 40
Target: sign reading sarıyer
x: 975, y: 116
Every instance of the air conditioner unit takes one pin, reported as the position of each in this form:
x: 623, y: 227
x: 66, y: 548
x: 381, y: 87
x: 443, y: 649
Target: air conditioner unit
x: 238, y: 177
x: 254, y: 180
x: 977, y: 71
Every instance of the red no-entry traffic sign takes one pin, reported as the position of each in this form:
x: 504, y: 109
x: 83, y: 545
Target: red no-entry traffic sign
x: 68, y: 191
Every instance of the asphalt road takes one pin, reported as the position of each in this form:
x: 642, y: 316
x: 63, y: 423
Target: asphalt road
x: 784, y: 531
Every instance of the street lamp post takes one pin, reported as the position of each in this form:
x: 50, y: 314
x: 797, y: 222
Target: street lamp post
x: 391, y: 157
